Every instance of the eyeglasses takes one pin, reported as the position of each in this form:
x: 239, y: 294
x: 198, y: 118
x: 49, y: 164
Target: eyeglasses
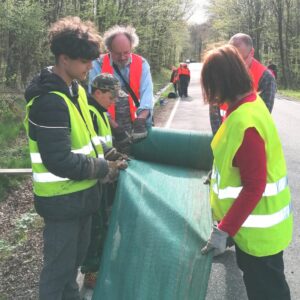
x: 121, y: 54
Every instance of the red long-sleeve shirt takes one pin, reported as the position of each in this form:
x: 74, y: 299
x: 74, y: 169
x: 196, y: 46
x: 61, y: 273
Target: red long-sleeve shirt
x: 252, y: 163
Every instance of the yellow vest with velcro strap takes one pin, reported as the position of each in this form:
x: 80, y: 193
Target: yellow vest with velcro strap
x: 104, y: 130
x: 268, y: 229
x: 83, y: 140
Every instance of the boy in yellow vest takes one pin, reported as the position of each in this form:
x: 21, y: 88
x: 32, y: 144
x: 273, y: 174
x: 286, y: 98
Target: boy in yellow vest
x: 104, y: 91
x: 66, y: 155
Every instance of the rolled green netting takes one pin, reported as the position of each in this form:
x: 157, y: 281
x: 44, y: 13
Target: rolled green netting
x: 190, y: 149
x: 160, y: 220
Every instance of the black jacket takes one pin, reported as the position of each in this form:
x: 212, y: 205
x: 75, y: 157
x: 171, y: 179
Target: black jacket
x: 49, y: 125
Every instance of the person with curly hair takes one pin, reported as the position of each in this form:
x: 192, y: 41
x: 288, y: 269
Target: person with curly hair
x: 66, y: 155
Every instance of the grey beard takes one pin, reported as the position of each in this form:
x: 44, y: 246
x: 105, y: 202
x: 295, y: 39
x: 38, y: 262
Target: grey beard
x: 123, y: 64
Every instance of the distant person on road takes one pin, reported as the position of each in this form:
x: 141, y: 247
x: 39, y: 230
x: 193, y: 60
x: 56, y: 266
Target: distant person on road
x: 273, y: 68
x: 134, y: 116
x: 105, y: 90
x: 249, y: 192
x: 174, y: 79
x: 66, y: 156
x: 184, y: 76
x: 263, y: 81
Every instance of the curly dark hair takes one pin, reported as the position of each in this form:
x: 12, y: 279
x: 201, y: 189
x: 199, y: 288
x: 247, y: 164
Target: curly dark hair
x: 74, y: 38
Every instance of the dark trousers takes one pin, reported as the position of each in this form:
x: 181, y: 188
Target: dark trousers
x: 183, y: 85
x: 263, y: 276
x: 65, y: 246
x: 100, y: 221
x: 175, y: 87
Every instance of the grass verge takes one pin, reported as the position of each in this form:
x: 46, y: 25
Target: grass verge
x: 161, y: 79
x: 19, y: 233
x: 292, y: 94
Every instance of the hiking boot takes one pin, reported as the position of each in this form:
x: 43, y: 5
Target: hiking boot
x: 139, y: 130
x: 90, y: 280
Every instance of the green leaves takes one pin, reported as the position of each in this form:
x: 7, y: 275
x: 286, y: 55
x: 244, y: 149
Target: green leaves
x: 273, y: 26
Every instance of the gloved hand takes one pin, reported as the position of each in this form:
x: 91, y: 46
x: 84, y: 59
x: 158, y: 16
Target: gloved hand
x: 121, y: 136
x: 216, y: 242
x: 139, y: 129
x: 112, y: 154
x: 121, y: 164
x: 114, y: 168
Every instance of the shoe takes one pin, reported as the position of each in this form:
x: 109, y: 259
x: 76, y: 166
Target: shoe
x: 90, y: 280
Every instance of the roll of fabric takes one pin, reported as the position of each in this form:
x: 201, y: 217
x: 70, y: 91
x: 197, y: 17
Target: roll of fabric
x: 160, y: 220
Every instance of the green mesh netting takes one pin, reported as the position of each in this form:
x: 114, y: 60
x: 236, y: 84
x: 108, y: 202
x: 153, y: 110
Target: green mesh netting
x: 160, y: 220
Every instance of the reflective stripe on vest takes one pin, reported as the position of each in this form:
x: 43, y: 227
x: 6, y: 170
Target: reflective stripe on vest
x: 268, y: 229
x: 265, y: 221
x: 271, y: 189
x: 104, y: 130
x: 47, y: 177
x: 105, y: 139
x: 83, y: 141
x: 135, y: 75
x: 86, y: 150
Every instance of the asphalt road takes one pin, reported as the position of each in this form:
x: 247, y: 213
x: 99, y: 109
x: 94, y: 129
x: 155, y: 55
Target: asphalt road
x: 192, y: 114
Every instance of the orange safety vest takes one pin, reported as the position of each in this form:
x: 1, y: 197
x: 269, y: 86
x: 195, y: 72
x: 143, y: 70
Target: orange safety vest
x: 256, y: 70
x: 135, y: 75
x: 183, y: 71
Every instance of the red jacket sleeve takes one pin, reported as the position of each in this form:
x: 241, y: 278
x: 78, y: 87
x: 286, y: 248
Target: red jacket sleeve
x: 251, y: 161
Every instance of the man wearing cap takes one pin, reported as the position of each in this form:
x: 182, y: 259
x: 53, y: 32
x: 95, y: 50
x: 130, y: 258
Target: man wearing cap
x: 131, y: 114
x: 105, y: 89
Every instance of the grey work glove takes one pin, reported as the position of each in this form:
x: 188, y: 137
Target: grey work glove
x: 121, y: 136
x: 139, y: 129
x: 114, y: 168
x: 216, y: 242
x: 112, y: 154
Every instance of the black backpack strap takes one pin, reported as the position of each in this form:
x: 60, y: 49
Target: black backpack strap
x: 128, y: 88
